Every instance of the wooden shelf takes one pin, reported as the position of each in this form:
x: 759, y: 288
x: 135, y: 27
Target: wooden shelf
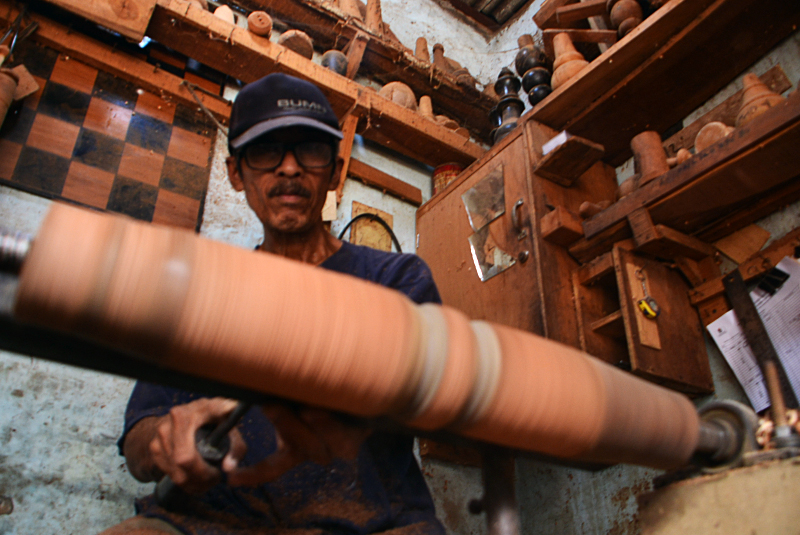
x: 384, y: 60
x: 200, y: 35
x: 673, y: 62
x: 730, y: 176
x: 611, y: 325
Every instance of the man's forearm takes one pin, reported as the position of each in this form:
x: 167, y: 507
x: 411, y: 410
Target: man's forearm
x: 137, y: 450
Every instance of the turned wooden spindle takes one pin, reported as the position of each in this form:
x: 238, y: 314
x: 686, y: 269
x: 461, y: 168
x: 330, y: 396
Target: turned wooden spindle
x: 650, y: 160
x: 374, y: 20
x: 756, y: 99
x: 625, y: 15
x: 351, y: 9
x: 421, y: 50
x: 426, y: 107
x: 225, y: 13
x: 260, y: 23
x: 439, y: 60
x: 568, y: 62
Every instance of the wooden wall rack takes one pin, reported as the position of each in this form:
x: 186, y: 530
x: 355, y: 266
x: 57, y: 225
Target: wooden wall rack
x: 664, y: 69
x: 235, y: 51
x: 385, y: 59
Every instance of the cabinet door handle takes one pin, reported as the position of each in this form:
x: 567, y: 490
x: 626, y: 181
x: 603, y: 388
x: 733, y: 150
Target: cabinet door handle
x: 521, y: 232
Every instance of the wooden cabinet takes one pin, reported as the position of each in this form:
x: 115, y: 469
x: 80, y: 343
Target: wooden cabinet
x: 546, y: 291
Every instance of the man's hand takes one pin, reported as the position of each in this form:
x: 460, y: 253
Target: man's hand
x: 305, y: 434
x: 165, y: 445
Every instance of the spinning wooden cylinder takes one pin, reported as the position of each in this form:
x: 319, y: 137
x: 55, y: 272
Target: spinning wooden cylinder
x: 273, y: 325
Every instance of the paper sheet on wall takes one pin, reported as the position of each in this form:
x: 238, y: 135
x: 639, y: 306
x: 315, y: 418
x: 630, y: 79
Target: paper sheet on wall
x: 781, y: 316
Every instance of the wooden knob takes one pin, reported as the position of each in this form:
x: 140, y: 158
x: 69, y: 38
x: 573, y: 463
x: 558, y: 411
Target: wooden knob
x: 259, y: 23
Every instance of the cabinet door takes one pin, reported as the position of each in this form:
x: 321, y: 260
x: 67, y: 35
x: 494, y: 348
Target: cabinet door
x: 443, y: 229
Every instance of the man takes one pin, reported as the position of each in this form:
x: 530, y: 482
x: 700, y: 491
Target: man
x: 288, y: 471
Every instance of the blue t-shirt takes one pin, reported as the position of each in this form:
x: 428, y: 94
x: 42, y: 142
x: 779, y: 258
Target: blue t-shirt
x: 381, y: 489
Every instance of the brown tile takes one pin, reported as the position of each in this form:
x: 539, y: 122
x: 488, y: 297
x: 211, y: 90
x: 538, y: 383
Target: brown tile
x: 155, y: 106
x: 9, y: 154
x: 190, y: 147
x: 176, y: 210
x: 88, y: 185
x: 141, y: 164
x: 53, y: 135
x: 202, y: 82
x: 33, y: 101
x: 107, y: 118
x: 74, y: 74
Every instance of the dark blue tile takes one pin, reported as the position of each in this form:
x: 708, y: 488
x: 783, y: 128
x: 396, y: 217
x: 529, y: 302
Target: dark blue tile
x: 115, y: 90
x: 17, y: 124
x: 64, y: 103
x: 133, y: 198
x: 194, y: 120
x: 184, y: 178
x: 41, y: 171
x: 39, y: 60
x: 98, y: 150
x: 149, y: 133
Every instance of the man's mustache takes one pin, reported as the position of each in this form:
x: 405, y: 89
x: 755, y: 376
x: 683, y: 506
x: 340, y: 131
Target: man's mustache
x: 289, y: 188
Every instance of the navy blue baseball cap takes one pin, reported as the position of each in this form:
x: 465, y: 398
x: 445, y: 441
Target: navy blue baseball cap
x: 278, y: 101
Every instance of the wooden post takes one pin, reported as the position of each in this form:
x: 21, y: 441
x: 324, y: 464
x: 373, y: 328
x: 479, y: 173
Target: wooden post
x: 345, y: 148
x: 355, y: 52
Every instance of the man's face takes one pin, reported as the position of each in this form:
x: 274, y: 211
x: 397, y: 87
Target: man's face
x: 290, y: 197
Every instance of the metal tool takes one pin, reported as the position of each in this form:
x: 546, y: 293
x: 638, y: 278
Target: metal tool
x: 766, y: 357
x: 647, y: 305
x: 213, y: 445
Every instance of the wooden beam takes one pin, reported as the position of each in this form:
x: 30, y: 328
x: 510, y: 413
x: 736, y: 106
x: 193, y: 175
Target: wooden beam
x: 345, y: 150
x: 725, y: 112
x: 106, y: 58
x: 355, y: 54
x: 547, y: 16
x: 126, y: 17
x: 581, y: 10
x: 382, y: 181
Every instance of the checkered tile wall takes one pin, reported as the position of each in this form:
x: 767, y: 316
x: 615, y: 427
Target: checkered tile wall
x: 96, y: 140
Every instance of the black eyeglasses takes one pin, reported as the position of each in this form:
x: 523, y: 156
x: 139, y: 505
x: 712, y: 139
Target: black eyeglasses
x: 268, y: 156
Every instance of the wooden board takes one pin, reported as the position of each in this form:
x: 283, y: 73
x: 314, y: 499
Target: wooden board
x: 561, y: 227
x: 235, y: 51
x: 567, y: 162
x: 725, y: 112
x: 127, y: 17
x: 368, y: 232
x: 547, y: 16
x: 655, y: 76
x: 681, y: 362
x: 743, y: 243
x: 378, y: 179
x: 443, y: 229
